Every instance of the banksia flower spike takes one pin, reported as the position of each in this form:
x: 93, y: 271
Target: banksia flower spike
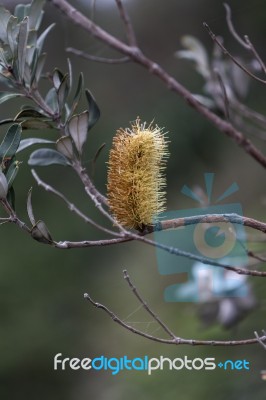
x: 136, y: 175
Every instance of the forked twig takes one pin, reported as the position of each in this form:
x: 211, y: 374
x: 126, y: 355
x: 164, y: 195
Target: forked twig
x: 246, y: 43
x: 174, y: 340
x: 131, y: 37
x: 226, y: 52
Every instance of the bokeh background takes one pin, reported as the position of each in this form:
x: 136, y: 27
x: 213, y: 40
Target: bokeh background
x: 41, y: 289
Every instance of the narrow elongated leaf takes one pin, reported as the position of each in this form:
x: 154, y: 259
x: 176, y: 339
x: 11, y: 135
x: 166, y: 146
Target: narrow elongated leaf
x: 12, y: 172
x: 77, y: 95
x: 35, y: 14
x: 64, y: 146
x: 11, y: 141
x: 70, y: 73
x: 3, y: 186
x: 36, y: 124
x: 51, y: 100
x: 42, y: 37
x: 44, y: 157
x: 31, y: 48
x: 5, y: 96
x: 78, y: 129
x: 40, y: 65
x: 58, y: 76
x: 94, y: 111
x: 30, y: 142
x: 6, y: 121
x: 22, y: 46
x: 12, y: 32
x: 29, y: 113
x: 4, y: 18
x: 63, y: 91
x: 11, y: 197
x: 30, y: 209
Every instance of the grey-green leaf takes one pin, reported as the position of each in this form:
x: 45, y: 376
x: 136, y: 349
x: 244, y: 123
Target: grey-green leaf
x: 4, y: 18
x: 70, y: 73
x: 3, y: 186
x: 57, y: 78
x: 77, y: 95
x: 29, y: 113
x: 12, y: 32
x: 78, y: 129
x: 34, y: 123
x: 45, y: 157
x: 51, y: 100
x: 36, y: 13
x: 94, y: 111
x: 11, y: 141
x: 42, y: 37
x: 29, y: 208
x: 5, y: 96
x: 40, y: 233
x: 12, y: 173
x: 22, y: 46
x: 25, y: 143
x: 64, y: 146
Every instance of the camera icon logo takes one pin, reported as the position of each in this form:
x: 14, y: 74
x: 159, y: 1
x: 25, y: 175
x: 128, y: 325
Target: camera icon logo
x: 222, y: 242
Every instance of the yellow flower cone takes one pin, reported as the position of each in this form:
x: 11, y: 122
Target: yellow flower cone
x: 136, y: 175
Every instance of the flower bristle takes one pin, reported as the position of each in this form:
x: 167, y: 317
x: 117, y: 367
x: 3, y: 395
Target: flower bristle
x: 136, y: 175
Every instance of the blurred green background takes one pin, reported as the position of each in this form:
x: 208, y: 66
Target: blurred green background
x: 42, y: 307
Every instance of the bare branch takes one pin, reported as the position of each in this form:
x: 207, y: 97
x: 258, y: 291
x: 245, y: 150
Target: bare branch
x: 232, y: 28
x: 147, y: 308
x: 175, y: 340
x: 246, y: 43
x: 88, y: 243
x: 255, y: 53
x: 136, y: 55
x: 93, y: 58
x: 13, y: 218
x: 225, y: 51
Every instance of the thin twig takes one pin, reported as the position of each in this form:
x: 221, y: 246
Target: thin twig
x: 226, y: 52
x: 175, y: 340
x: 93, y: 58
x: 131, y: 37
x: 88, y: 243
x: 224, y: 95
x: 13, y: 218
x: 232, y: 28
x: 145, y: 305
x: 255, y: 53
